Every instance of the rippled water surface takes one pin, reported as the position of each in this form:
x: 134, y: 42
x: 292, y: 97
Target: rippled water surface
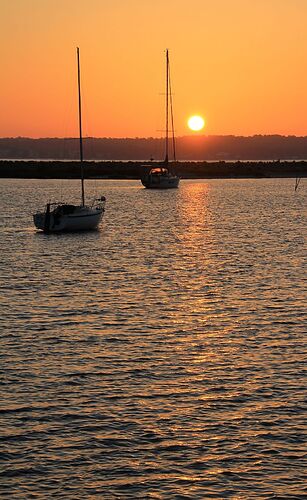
x: 161, y: 357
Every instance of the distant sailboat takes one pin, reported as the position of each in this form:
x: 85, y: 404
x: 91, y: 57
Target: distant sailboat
x: 162, y: 177
x: 60, y: 216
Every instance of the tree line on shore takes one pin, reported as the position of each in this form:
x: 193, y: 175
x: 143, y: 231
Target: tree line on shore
x: 189, y: 148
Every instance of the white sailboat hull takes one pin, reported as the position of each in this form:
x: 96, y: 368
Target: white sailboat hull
x: 82, y: 219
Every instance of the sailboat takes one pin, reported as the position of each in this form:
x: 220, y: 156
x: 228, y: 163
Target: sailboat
x: 61, y: 216
x: 162, y: 176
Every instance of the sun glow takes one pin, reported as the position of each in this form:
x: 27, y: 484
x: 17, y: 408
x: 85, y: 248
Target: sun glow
x: 196, y: 123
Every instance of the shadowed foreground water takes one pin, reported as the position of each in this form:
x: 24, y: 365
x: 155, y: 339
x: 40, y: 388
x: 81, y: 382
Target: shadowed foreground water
x: 162, y: 356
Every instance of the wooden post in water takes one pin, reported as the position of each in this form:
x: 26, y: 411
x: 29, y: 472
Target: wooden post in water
x: 297, y: 181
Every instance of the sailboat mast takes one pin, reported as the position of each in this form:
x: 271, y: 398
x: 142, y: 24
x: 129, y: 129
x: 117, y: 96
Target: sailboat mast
x: 80, y: 130
x: 166, y: 115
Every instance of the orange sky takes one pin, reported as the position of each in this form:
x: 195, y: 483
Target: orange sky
x: 241, y: 64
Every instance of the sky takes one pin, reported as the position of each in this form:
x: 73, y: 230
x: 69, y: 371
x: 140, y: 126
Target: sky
x: 240, y: 64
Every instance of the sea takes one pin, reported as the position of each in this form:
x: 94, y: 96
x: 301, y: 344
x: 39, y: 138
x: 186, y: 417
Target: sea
x: 162, y: 356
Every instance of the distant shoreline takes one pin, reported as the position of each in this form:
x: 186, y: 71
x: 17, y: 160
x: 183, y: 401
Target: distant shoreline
x: 195, y: 148
x: 44, y: 169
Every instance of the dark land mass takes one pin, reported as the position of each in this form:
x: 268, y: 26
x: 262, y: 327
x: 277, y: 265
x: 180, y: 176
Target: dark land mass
x: 200, y: 157
x: 133, y: 169
x: 189, y: 148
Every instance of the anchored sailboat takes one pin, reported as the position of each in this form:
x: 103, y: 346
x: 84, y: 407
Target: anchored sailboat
x: 162, y: 176
x: 60, y: 216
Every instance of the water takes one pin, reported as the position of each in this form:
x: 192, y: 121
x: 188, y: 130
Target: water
x: 162, y: 356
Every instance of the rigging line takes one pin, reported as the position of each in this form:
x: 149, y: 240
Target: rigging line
x: 167, y: 110
x: 172, y: 114
x: 80, y: 130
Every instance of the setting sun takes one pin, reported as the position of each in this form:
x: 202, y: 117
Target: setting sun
x: 196, y: 123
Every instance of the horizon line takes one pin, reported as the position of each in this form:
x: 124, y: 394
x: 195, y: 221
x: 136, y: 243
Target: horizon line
x: 188, y: 136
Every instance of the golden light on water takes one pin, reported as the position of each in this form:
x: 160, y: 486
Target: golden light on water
x: 196, y: 123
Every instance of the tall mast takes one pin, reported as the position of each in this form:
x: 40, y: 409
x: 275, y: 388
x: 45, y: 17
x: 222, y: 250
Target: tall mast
x: 166, y: 116
x: 80, y: 130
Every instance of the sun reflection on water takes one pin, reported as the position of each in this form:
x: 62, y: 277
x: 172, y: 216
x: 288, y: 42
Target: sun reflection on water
x: 160, y: 357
